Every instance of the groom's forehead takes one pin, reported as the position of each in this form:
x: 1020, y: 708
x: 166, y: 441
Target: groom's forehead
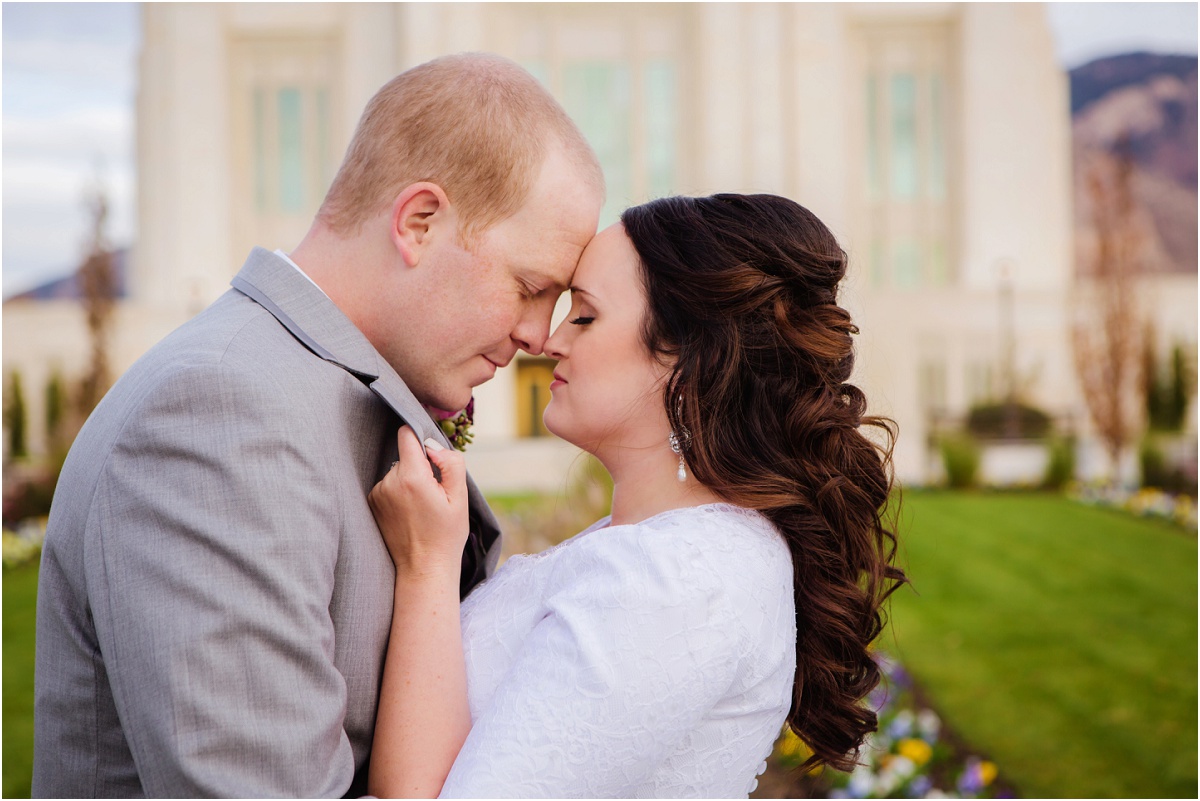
x: 548, y: 263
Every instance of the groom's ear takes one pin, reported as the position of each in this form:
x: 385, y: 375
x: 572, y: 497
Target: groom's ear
x: 418, y: 211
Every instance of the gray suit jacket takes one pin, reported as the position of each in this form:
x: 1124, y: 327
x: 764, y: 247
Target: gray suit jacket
x: 215, y: 599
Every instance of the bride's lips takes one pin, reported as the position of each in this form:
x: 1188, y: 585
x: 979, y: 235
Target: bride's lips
x: 558, y: 381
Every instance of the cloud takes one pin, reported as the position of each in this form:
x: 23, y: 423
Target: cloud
x: 106, y: 63
x: 71, y: 134
x: 73, y: 22
x: 38, y: 182
x: 45, y: 218
x: 46, y: 247
x: 70, y: 73
x: 1086, y: 31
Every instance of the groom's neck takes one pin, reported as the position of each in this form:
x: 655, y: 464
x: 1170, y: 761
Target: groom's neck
x: 349, y: 269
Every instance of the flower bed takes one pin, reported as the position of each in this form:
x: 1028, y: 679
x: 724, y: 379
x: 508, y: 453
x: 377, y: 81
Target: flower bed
x: 23, y: 542
x: 1146, y: 502
x: 912, y: 755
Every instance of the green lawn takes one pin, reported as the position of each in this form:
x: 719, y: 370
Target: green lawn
x: 20, y: 600
x: 1058, y: 639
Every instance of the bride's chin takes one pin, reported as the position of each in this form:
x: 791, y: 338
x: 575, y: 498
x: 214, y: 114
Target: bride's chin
x: 551, y: 422
x: 556, y: 425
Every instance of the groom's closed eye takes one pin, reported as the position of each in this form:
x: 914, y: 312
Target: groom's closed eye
x: 540, y: 285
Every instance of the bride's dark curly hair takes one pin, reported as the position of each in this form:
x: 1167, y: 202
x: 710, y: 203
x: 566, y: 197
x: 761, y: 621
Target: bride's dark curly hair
x: 742, y: 295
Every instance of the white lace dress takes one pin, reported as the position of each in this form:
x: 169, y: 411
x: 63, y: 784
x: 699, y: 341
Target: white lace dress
x: 648, y: 660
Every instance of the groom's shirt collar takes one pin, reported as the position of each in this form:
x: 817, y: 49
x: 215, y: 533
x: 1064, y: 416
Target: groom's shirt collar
x: 279, y: 252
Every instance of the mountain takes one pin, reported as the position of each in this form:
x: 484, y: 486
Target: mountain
x: 1147, y: 101
x: 1097, y: 78
x: 68, y: 288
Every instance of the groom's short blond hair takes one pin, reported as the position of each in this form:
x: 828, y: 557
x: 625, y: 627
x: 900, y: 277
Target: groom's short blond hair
x: 477, y: 125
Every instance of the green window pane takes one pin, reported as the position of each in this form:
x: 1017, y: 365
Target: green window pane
x: 324, y: 163
x: 874, y: 180
x: 596, y: 95
x: 660, y: 94
x: 904, y: 136
x: 260, y: 158
x: 939, y: 272
x: 291, y: 151
x: 937, y: 139
x: 907, y: 264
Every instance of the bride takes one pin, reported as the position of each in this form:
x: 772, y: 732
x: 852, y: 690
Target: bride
x: 738, y: 582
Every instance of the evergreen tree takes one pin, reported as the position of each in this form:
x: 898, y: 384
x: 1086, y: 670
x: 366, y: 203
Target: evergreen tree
x: 1168, y: 388
x: 1183, y: 385
x: 56, y: 408
x: 15, y: 419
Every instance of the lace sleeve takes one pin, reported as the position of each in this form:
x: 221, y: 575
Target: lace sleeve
x: 638, y: 644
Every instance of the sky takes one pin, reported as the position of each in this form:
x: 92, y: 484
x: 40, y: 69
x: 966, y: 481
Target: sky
x: 69, y: 90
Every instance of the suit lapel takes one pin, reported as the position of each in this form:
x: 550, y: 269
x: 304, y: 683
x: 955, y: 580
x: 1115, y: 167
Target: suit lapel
x: 318, y: 324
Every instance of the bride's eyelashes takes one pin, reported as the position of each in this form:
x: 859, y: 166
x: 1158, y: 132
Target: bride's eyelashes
x: 582, y: 320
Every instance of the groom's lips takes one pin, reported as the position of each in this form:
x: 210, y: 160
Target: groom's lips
x: 498, y: 364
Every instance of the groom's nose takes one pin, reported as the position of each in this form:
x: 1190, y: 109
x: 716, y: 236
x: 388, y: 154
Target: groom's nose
x: 533, y: 329
x: 531, y: 335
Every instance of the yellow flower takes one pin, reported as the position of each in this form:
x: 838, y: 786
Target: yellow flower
x: 916, y: 750
x: 987, y: 772
x: 789, y: 744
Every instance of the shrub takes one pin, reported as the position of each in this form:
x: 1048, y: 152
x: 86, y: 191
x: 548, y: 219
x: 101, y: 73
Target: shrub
x: 28, y: 496
x: 1060, y: 467
x: 1161, y: 472
x: 991, y: 421
x: 1153, y: 463
x: 960, y: 458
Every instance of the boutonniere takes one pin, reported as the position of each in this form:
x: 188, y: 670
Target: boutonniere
x: 456, y: 425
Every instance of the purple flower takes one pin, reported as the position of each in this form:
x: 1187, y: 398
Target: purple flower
x: 971, y: 780
x: 901, y: 725
x: 920, y: 786
x: 877, y: 698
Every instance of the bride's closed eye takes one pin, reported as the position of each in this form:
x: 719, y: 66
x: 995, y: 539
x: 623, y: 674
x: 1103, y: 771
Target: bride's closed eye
x: 581, y: 320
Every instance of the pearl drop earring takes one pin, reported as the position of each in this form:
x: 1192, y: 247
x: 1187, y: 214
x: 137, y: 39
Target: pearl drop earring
x: 679, y: 442
x: 681, y: 474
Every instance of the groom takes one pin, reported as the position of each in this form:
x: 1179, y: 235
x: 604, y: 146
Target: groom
x: 215, y: 598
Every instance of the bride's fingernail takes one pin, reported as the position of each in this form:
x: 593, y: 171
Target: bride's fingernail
x: 433, y: 444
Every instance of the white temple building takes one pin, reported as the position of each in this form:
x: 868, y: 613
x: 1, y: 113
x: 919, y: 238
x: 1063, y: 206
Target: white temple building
x: 933, y: 138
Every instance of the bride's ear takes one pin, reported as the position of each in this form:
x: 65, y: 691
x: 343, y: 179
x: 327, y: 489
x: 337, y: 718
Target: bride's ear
x: 417, y: 214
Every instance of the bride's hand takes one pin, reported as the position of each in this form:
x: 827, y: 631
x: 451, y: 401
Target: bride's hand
x: 424, y: 523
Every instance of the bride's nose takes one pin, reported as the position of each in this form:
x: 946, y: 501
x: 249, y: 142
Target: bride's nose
x: 556, y: 345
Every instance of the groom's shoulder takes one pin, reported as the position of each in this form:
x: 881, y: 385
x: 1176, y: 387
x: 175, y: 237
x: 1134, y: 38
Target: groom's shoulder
x: 233, y: 334
x: 233, y: 328
x: 234, y: 348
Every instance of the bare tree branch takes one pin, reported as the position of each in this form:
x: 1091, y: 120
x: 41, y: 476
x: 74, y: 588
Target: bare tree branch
x: 98, y: 282
x: 1108, y: 324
